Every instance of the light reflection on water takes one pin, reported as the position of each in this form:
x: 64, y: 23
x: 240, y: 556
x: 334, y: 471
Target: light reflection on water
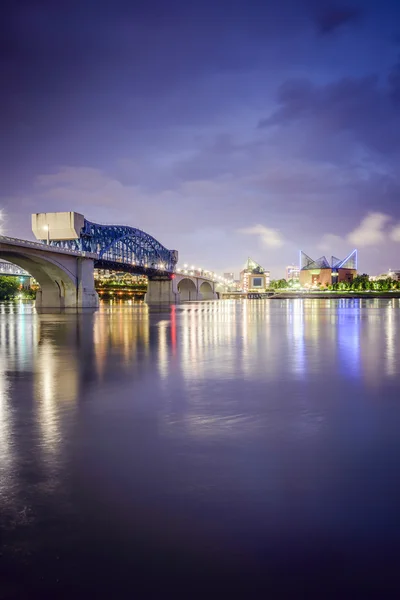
x: 65, y: 356
x: 204, y: 409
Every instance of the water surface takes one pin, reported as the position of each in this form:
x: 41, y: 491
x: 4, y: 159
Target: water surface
x: 229, y: 443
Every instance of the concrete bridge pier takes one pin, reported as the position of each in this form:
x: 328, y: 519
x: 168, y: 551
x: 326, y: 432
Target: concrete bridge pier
x: 160, y: 290
x: 87, y: 296
x: 67, y: 292
x: 66, y: 278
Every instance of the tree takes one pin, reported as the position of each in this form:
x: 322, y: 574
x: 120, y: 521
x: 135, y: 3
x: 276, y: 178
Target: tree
x: 9, y: 287
x: 278, y: 284
x: 361, y: 282
x: 383, y: 285
x: 293, y: 283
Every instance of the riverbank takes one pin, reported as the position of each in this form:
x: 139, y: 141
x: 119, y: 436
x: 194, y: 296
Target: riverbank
x: 295, y: 294
x: 335, y: 295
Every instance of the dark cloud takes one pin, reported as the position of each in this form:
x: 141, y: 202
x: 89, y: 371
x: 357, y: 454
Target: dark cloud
x: 335, y: 17
x: 394, y: 82
x: 364, y: 108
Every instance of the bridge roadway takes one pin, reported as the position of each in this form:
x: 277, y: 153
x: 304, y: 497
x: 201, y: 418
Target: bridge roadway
x: 66, y: 277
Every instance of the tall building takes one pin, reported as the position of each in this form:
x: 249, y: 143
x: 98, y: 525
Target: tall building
x: 229, y: 276
x: 292, y: 272
x: 321, y: 272
x: 254, y: 278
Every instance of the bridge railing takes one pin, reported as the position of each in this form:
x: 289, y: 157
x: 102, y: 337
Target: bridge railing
x: 43, y: 246
x: 200, y: 272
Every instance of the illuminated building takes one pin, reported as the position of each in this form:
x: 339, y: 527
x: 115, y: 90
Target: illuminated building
x: 292, y: 272
x: 110, y: 283
x: 393, y: 274
x: 321, y: 272
x: 229, y: 276
x: 254, y: 278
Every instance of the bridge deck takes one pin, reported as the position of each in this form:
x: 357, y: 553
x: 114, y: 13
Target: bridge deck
x: 44, y: 247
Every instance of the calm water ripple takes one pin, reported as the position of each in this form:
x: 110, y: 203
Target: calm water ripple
x: 249, y: 443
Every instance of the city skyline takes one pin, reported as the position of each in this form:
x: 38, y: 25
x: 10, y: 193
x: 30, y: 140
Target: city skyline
x: 224, y: 131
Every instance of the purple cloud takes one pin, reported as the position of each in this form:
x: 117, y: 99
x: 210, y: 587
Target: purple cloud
x: 333, y: 18
x: 365, y: 108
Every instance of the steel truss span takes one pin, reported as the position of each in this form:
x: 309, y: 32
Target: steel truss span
x: 121, y: 245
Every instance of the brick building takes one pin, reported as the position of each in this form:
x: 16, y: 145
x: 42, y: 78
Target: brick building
x: 321, y: 272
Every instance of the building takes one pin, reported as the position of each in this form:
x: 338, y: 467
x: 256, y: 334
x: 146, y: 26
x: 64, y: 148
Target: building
x: 322, y: 273
x: 229, y: 276
x: 254, y: 278
x: 394, y: 274
x: 292, y: 273
x: 391, y: 274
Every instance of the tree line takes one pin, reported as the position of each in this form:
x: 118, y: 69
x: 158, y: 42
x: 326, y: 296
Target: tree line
x: 358, y: 284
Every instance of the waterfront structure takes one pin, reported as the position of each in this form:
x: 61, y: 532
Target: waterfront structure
x: 391, y: 274
x: 292, y: 272
x: 254, y: 278
x: 394, y: 274
x: 70, y: 248
x: 109, y: 283
x: 322, y: 272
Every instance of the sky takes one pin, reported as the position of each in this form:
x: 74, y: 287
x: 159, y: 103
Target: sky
x: 224, y: 128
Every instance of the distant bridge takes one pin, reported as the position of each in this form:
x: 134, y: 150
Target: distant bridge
x: 70, y: 247
x: 9, y: 269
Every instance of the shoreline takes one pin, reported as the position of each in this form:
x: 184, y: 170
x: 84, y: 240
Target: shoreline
x: 335, y: 295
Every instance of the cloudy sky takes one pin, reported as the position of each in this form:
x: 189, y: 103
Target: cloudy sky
x: 225, y: 128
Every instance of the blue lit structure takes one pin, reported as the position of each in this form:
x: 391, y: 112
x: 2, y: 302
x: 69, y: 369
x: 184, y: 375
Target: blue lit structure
x: 308, y: 264
x: 123, y: 248
x: 323, y: 272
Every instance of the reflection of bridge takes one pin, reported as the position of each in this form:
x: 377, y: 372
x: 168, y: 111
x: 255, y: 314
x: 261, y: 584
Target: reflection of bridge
x: 71, y: 247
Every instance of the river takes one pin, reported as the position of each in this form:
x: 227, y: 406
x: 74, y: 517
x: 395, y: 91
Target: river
x: 243, y: 444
